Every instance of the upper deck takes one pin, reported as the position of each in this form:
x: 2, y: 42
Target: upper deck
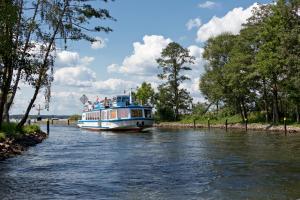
x: 120, y: 101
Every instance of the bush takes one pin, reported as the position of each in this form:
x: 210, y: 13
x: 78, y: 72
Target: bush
x: 2, y: 136
x: 10, y: 130
x: 29, y: 129
x: 164, y: 114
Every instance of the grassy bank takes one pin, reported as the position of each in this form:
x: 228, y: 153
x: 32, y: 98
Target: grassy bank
x: 10, y: 130
x: 220, y: 119
x: 255, y: 121
x: 14, y: 140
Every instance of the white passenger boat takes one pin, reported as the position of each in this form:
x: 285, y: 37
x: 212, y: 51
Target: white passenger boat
x: 120, y: 113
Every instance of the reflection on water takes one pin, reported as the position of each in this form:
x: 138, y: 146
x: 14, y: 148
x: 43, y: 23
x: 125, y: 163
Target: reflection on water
x: 160, y: 164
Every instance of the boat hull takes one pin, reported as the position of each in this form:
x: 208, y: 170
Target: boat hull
x: 116, y: 125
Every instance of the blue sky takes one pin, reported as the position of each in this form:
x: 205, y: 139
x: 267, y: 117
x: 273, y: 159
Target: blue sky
x: 126, y: 57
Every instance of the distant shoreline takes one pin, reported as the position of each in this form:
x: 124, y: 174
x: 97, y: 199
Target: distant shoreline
x: 238, y: 126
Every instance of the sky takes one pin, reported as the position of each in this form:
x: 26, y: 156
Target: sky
x: 124, y: 58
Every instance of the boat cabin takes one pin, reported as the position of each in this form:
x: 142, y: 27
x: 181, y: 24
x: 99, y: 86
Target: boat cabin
x: 121, y: 101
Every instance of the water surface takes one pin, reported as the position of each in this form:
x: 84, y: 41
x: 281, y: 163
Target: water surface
x: 160, y: 164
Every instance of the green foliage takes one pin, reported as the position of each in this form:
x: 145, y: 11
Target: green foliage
x: 2, y: 136
x: 213, y: 119
x: 75, y: 117
x: 30, y: 32
x: 173, y: 62
x: 30, y: 129
x: 257, y: 71
x: 145, y: 94
x: 11, y: 130
x: 164, y: 114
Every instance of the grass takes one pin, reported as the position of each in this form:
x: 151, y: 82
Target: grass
x: 216, y: 119
x: 189, y: 119
x: 29, y: 129
x: 12, y: 131
x: 2, y: 136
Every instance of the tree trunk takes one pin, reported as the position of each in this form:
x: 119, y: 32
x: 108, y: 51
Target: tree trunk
x: 5, y: 89
x: 6, y: 113
x: 275, y: 107
x: 176, y: 90
x: 297, y: 114
x: 266, y: 102
x: 43, y: 71
x: 244, y: 110
x: 36, y: 91
x: 18, y: 76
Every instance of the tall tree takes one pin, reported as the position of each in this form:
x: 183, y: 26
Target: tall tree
x: 174, y: 61
x: 145, y: 93
x: 34, y: 36
x: 217, y: 53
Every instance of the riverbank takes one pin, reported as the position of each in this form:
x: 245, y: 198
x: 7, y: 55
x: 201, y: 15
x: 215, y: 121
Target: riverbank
x: 252, y: 126
x: 15, y: 145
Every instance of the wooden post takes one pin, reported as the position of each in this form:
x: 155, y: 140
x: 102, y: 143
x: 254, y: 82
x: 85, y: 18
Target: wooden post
x: 285, y: 129
x: 68, y: 122
x: 226, y: 125
x: 246, y: 124
x: 208, y: 124
x: 52, y: 121
x: 48, y: 126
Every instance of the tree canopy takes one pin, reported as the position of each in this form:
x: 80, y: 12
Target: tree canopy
x: 173, y: 62
x: 29, y: 31
x: 257, y: 70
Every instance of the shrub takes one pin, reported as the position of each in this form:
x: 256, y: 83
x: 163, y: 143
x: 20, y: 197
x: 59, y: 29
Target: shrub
x: 29, y: 129
x: 10, y: 129
x: 2, y: 136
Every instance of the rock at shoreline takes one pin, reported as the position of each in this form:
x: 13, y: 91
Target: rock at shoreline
x: 11, y: 147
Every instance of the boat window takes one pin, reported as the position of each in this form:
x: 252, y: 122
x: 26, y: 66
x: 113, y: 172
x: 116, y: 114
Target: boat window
x: 122, y: 113
x: 104, y: 114
x: 148, y: 113
x: 136, y: 113
x: 113, y: 114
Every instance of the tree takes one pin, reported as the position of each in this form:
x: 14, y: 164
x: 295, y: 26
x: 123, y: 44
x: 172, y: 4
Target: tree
x: 164, y: 105
x: 212, y: 83
x: 145, y: 93
x: 30, y: 39
x: 257, y: 70
x: 173, y: 61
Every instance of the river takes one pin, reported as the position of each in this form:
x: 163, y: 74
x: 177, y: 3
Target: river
x: 159, y: 164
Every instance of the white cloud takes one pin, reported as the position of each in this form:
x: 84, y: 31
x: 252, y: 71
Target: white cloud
x: 113, y: 68
x: 231, y: 22
x: 66, y: 102
x: 193, y: 23
x: 207, y: 4
x: 114, y: 86
x: 70, y: 58
x: 143, y: 59
x: 79, y: 76
x: 99, y: 44
x: 197, y: 52
x: 67, y: 58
